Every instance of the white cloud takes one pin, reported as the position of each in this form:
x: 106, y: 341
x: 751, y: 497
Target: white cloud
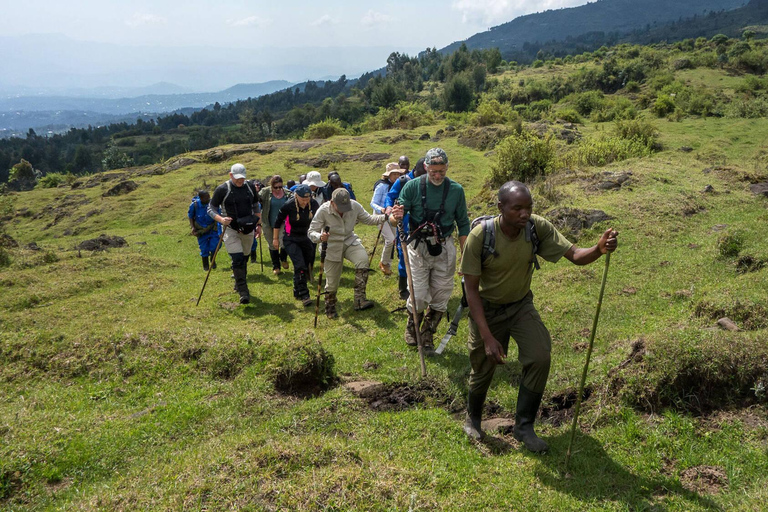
x: 372, y: 18
x: 250, y: 20
x: 143, y: 18
x: 324, y: 20
x: 489, y: 12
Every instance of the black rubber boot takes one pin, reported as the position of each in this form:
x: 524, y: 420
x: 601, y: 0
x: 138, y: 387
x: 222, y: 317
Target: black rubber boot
x: 402, y: 285
x: 528, y: 404
x: 205, y: 263
x: 253, y: 257
x: 472, y: 425
x: 240, y: 271
x: 213, y: 263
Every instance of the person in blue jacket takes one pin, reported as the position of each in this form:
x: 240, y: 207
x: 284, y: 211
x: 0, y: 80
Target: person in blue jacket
x: 392, y: 195
x: 334, y: 182
x: 204, y: 227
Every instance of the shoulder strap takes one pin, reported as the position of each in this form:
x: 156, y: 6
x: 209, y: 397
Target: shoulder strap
x: 489, y: 238
x: 229, y: 190
x: 423, y: 186
x: 533, y: 237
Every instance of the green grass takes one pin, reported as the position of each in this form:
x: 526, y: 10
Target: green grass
x: 119, y: 394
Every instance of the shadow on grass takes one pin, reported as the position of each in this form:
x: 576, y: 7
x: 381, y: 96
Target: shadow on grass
x: 257, y: 308
x: 595, y: 477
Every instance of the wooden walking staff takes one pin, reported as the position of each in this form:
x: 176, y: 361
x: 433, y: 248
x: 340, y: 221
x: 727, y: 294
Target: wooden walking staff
x: 323, y: 250
x: 210, y: 267
x: 586, y: 365
x: 412, y: 312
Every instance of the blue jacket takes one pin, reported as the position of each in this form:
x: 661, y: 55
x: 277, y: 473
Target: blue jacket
x: 199, y: 213
x: 394, y: 193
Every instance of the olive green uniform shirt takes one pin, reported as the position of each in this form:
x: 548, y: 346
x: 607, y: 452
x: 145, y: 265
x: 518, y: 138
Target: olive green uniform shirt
x: 506, y: 277
x: 455, y: 204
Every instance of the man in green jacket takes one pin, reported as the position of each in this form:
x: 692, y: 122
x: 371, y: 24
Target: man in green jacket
x: 436, y: 206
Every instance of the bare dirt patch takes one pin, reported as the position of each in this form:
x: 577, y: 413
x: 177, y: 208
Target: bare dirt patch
x: 102, y: 243
x: 704, y: 479
x: 573, y: 221
x: 122, y: 188
x: 399, y: 396
x: 483, y: 139
x: 559, y: 408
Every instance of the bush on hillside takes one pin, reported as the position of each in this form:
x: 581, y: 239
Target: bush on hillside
x: 54, y: 179
x: 614, y: 108
x: 637, y: 129
x: 404, y: 115
x: 534, y: 111
x: 586, y: 102
x: 523, y: 157
x: 602, y: 150
x: 752, y: 108
x: 569, y: 115
x: 491, y: 111
x: 663, y: 105
x: 324, y: 129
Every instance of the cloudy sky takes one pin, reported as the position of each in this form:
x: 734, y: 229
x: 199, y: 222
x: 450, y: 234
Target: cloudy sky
x: 396, y: 25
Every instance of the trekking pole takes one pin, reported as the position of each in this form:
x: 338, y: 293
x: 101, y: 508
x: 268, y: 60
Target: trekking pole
x: 586, y: 365
x: 261, y: 254
x: 453, y: 328
x: 210, y: 267
x: 323, y: 250
x: 370, y: 260
x: 412, y: 312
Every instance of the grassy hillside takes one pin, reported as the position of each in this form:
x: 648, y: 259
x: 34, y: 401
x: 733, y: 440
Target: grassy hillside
x: 119, y: 394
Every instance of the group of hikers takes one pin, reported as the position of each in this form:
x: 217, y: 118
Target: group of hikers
x: 427, y: 210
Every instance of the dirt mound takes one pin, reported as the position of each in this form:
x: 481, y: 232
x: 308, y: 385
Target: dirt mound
x: 122, y: 188
x: 328, y: 159
x: 704, y: 479
x: 759, y: 189
x: 748, y: 263
x: 399, y: 396
x: 304, y: 370
x: 262, y: 148
x: 568, y: 132
x: 611, y: 180
x: 692, y: 373
x: 7, y: 242
x: 102, y: 243
x: 485, y: 138
x: 572, y: 220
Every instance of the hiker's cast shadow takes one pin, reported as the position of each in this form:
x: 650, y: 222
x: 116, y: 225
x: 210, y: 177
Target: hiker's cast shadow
x: 594, y: 476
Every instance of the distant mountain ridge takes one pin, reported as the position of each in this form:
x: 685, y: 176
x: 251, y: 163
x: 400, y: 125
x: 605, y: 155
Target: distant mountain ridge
x: 600, y: 16
x: 155, y: 103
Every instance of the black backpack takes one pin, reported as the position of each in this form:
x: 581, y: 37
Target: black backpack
x: 489, y: 237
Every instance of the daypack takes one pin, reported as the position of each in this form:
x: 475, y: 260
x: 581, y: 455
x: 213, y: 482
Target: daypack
x: 489, y: 237
x: 245, y: 224
x: 382, y: 180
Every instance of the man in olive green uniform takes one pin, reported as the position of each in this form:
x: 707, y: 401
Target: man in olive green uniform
x: 501, y: 305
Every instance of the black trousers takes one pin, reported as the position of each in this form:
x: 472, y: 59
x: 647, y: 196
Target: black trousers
x: 302, y: 254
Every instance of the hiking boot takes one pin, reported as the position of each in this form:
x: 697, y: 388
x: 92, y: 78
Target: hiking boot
x: 429, y: 328
x: 241, y: 285
x: 277, y: 271
x: 402, y: 285
x: 213, y: 263
x: 361, y: 280
x: 527, y: 407
x: 410, y: 332
x: 284, y: 264
x: 307, y: 301
x: 205, y: 263
x: 385, y: 269
x: 473, y: 423
x: 330, y: 305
